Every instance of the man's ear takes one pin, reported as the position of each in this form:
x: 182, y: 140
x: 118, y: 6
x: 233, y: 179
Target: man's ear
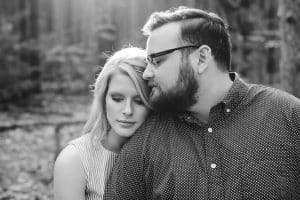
x: 204, y: 56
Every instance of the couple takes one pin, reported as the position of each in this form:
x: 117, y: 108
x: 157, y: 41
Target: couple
x: 210, y: 136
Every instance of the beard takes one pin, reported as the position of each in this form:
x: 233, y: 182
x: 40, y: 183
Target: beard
x: 180, y: 97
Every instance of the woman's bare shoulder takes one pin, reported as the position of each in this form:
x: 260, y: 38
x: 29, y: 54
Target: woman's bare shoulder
x: 69, y: 175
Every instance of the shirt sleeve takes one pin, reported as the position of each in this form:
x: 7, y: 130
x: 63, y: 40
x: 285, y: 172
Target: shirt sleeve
x: 296, y: 117
x: 127, y: 178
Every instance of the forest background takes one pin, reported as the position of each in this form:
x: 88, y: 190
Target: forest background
x: 51, y: 50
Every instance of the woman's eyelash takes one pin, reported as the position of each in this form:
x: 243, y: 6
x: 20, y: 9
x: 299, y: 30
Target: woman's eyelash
x: 139, y: 101
x: 117, y: 98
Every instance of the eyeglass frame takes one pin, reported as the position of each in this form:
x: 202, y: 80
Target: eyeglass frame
x: 150, y: 58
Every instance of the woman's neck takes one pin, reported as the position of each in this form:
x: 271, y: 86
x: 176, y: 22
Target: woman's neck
x: 113, y: 142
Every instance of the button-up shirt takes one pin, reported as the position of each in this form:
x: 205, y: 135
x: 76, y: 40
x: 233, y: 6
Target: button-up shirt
x: 248, y: 149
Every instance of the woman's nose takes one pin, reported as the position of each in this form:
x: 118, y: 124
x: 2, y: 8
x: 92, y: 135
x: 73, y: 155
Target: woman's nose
x: 127, y: 110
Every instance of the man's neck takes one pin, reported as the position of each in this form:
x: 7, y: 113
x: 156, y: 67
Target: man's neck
x: 211, y: 92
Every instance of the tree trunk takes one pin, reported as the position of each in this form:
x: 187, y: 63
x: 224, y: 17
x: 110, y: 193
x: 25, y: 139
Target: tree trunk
x: 290, y: 46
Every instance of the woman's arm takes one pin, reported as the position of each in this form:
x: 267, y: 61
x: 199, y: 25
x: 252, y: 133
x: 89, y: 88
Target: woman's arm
x: 69, y: 176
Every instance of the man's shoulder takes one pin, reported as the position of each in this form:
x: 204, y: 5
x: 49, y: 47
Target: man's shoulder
x: 156, y: 127
x: 272, y: 95
x: 156, y: 124
x: 159, y: 119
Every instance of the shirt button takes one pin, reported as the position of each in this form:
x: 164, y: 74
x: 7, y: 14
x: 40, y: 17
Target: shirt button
x: 209, y: 130
x: 213, y: 165
x: 228, y: 110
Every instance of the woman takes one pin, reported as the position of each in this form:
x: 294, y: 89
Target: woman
x: 120, y: 106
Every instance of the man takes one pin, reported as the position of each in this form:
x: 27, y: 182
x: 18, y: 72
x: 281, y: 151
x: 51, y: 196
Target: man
x: 217, y: 137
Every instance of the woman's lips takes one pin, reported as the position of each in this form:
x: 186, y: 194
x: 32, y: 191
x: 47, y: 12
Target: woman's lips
x: 126, y: 124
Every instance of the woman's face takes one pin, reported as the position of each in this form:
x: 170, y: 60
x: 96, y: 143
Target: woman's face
x: 125, y: 109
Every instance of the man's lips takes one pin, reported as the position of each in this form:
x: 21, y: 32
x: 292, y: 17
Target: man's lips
x: 151, y: 84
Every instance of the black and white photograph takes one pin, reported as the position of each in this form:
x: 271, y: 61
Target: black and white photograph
x: 149, y: 99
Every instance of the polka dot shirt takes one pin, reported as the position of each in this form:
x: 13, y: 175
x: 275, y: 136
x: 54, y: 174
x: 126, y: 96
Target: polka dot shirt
x: 248, y: 149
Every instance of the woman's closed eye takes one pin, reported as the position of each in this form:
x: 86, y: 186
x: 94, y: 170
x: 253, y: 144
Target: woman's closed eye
x: 117, y: 98
x: 139, y: 101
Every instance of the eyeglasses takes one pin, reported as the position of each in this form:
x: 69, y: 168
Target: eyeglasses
x: 151, y: 58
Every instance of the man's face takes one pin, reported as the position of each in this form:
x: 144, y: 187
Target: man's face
x: 172, y: 80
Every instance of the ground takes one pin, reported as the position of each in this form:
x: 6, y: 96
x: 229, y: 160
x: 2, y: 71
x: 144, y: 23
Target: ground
x: 31, y: 135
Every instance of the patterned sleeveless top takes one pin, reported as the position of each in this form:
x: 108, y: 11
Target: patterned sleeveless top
x: 97, y: 163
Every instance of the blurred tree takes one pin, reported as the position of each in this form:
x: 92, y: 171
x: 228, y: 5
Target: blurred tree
x: 19, y: 50
x: 290, y: 46
x: 97, y: 26
x: 28, y: 23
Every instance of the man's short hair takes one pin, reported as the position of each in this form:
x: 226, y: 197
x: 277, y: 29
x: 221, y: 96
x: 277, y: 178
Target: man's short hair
x: 197, y: 27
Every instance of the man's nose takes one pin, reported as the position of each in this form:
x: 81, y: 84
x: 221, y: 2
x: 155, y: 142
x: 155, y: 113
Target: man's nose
x: 148, y: 73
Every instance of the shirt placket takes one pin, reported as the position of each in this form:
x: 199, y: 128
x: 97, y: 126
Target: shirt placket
x: 213, y: 164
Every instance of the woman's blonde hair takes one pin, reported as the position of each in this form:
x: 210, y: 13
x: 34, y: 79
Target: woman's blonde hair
x: 129, y: 61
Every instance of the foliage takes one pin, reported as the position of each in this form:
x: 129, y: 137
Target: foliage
x: 19, y: 67
x: 256, y: 41
x: 68, y: 69
x: 27, y: 153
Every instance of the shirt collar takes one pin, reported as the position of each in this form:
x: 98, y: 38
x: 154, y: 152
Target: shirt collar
x: 233, y: 98
x: 236, y: 93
